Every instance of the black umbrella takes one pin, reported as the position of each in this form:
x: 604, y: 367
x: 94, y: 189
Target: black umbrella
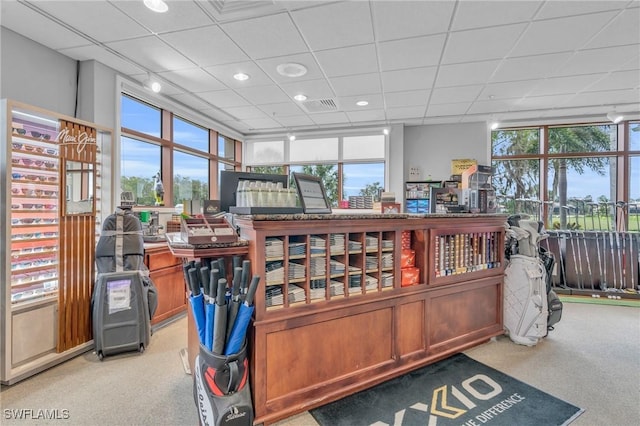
x: 239, y: 329
x: 220, y: 323
x: 234, y: 303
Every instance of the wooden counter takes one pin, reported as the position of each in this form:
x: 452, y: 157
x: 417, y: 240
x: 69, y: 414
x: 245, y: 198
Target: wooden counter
x: 166, y: 273
x: 313, y: 343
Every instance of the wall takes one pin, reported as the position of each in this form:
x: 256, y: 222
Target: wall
x: 431, y: 148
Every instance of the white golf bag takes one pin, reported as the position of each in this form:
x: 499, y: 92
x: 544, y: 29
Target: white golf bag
x: 527, y: 291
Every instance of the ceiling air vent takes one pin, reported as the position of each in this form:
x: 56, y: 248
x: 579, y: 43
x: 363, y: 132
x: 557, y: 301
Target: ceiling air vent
x: 320, y: 105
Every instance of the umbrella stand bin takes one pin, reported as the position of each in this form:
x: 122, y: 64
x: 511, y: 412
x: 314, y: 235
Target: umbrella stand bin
x: 221, y: 388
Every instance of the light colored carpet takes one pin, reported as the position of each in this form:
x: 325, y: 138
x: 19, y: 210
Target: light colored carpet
x: 591, y: 360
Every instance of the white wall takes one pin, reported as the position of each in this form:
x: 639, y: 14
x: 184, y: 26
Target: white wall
x: 431, y: 148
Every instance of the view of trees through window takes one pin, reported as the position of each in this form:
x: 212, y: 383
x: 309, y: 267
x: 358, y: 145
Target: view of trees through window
x: 580, y: 177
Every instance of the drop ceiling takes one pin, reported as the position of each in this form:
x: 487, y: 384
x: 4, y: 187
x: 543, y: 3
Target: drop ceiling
x: 414, y: 62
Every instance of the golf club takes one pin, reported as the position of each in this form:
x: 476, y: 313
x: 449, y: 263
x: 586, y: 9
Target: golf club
x: 573, y: 249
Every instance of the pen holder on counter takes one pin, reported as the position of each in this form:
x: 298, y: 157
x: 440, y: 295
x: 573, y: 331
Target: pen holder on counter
x: 221, y: 388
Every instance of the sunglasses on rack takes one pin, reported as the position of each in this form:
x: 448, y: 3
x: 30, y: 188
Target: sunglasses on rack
x: 37, y: 134
x: 19, y: 131
x: 30, y: 206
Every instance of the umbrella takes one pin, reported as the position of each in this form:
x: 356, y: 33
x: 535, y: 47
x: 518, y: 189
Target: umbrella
x: 239, y: 329
x: 246, y: 269
x: 220, y: 324
x: 210, y: 290
x: 237, y: 261
x: 197, y: 303
x: 234, y: 303
x: 204, y: 280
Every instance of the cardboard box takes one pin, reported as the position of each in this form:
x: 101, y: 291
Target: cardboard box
x: 409, y: 276
x: 407, y: 258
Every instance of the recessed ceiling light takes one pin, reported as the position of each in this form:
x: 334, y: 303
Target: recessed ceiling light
x: 362, y: 103
x: 241, y: 76
x: 300, y: 97
x: 291, y: 69
x: 156, y: 5
x: 385, y: 131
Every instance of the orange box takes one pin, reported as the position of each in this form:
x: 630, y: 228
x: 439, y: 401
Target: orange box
x: 407, y: 258
x: 406, y: 239
x: 410, y: 276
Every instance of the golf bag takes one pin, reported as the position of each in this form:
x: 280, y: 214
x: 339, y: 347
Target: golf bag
x: 530, y: 306
x: 221, y: 388
x: 124, y: 298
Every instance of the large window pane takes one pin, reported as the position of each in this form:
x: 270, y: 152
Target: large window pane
x: 634, y: 136
x: 303, y: 150
x: 634, y: 194
x: 363, y: 147
x: 583, y: 192
x: 188, y: 134
x: 226, y: 148
x: 222, y: 166
x: 139, y: 116
x: 362, y: 179
x: 582, y: 139
x: 267, y: 152
x: 190, y: 177
x: 139, y: 162
x: 329, y: 175
x: 515, y: 142
x: 516, y: 181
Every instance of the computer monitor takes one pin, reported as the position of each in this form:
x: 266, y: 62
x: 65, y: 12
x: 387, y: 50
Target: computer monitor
x: 229, y: 183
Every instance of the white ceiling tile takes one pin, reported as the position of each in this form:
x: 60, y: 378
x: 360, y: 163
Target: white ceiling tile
x: 261, y: 123
x: 463, y: 74
x: 152, y: 54
x: 279, y: 109
x: 104, y: 56
x: 411, y: 53
x: 448, y: 109
x: 330, y: 118
x: 192, y: 79
x: 529, y: 67
x: 511, y: 89
x: 191, y: 101
x: 542, y: 102
x: 564, y: 85
x: 408, y: 98
x: 450, y: 95
x: 348, y: 60
x: 181, y: 15
x: 269, y: 66
x: 348, y: 103
x: 295, y: 120
x: 99, y: 20
x: 267, y: 36
x: 205, y: 46
x: 405, y: 112
x: 411, y: 79
x: 475, y: 14
x: 260, y: 95
x: 482, y: 44
x: 335, y: 25
x: 224, y: 73
x: 417, y: 18
x: 492, y: 106
x: 617, y: 81
x: 223, y: 98
x: 353, y: 85
x: 560, y: 35
x: 596, y: 60
x: 368, y: 115
x: 555, y: 9
x: 216, y: 114
x: 608, y: 97
x: 444, y: 120
x: 313, y: 89
x: 42, y: 29
x: 245, y: 112
x: 622, y: 30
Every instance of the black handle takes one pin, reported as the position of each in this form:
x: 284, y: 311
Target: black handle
x: 222, y: 287
x: 213, y: 283
x: 246, y: 270
x: 204, y: 279
x: 237, y: 277
x: 193, y: 281
x: 248, y: 300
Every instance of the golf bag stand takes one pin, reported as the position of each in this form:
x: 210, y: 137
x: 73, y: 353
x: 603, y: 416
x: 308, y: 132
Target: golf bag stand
x: 530, y: 306
x: 221, y: 388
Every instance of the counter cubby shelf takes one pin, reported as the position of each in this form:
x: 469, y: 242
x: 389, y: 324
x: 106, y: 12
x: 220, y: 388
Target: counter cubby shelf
x: 332, y: 301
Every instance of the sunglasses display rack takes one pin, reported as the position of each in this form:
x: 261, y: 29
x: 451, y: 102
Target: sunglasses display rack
x: 49, y: 228
x: 35, y: 195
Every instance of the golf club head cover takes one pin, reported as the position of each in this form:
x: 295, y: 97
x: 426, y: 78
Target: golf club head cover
x: 221, y: 388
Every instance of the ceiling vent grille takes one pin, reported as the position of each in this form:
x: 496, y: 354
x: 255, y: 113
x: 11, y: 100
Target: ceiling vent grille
x: 320, y: 105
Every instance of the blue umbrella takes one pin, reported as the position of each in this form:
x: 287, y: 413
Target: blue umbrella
x: 197, y: 303
x: 234, y: 302
x: 239, y: 329
x: 210, y: 308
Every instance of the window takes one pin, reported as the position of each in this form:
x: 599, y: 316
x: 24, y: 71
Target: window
x: 265, y: 152
x: 226, y: 148
x: 362, y: 179
x: 327, y: 172
x: 190, y: 135
x: 313, y: 150
x: 190, y: 177
x: 139, y: 162
x: 139, y: 116
x: 358, y: 147
x: 582, y: 139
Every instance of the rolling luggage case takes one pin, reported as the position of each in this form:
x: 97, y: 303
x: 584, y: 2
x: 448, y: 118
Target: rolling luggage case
x: 124, y: 297
x: 121, y: 320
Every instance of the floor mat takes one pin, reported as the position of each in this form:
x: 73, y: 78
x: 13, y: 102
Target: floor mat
x: 455, y: 391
